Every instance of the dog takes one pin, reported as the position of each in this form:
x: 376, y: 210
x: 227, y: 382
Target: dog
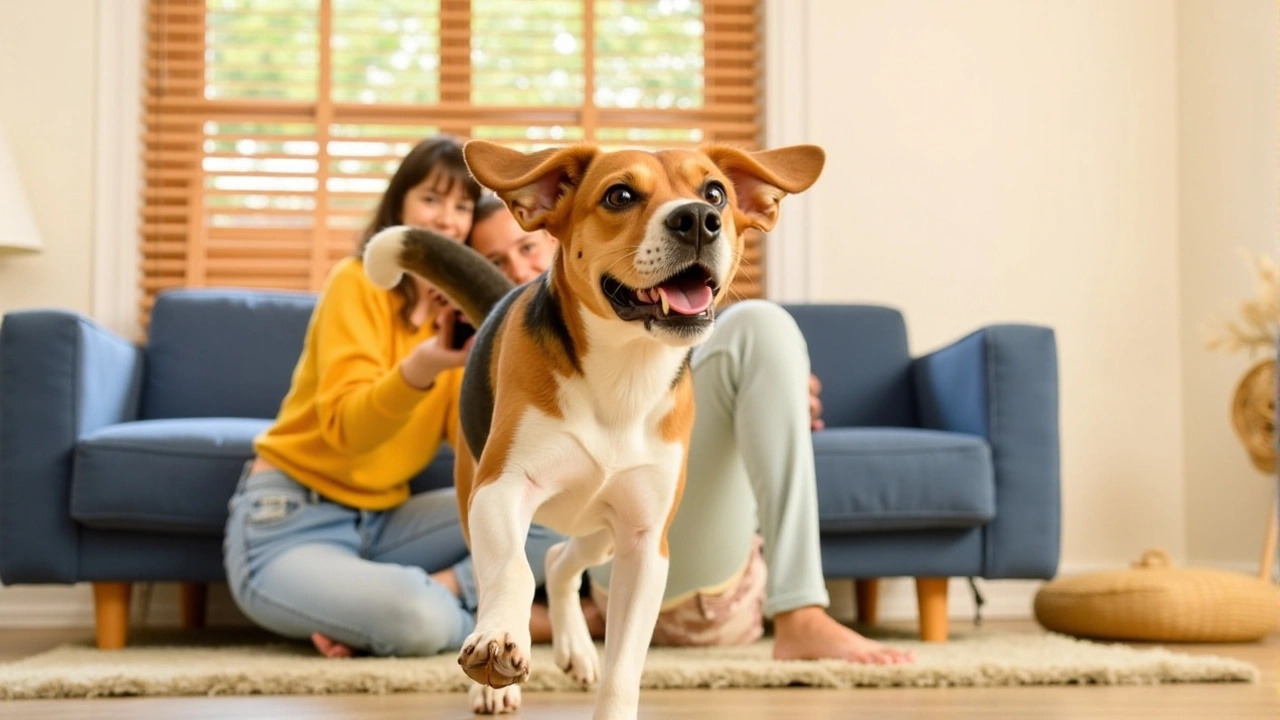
x: 577, y: 398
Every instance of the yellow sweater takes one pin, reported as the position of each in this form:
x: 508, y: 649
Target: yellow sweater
x: 351, y: 428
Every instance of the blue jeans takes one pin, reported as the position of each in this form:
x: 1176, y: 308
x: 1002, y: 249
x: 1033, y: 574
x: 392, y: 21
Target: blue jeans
x: 297, y: 563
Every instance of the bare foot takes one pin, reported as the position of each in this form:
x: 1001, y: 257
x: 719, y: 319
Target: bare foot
x: 811, y: 634
x: 595, y: 618
x: 449, y: 579
x: 330, y: 648
x: 540, y: 621
x: 539, y: 624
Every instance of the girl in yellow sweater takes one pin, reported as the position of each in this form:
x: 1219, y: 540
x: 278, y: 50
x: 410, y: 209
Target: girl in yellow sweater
x: 324, y: 540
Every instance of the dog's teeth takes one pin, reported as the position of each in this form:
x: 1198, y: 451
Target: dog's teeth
x: 666, y: 306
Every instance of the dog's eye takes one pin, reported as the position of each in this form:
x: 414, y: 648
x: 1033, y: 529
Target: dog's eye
x: 714, y: 194
x: 619, y: 196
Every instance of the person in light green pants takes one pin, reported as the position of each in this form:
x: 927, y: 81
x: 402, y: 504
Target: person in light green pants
x: 750, y: 485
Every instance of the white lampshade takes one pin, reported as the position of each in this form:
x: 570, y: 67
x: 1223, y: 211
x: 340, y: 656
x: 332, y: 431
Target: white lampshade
x: 17, y: 227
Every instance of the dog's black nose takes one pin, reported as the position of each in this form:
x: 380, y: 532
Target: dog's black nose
x: 694, y: 223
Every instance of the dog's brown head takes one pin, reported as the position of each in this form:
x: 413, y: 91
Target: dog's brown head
x: 652, y: 239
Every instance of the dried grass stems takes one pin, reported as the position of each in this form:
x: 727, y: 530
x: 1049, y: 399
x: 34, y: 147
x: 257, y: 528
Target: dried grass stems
x: 1257, y: 327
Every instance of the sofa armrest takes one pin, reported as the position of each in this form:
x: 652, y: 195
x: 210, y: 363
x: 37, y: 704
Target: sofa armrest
x: 61, y: 376
x: 1001, y: 382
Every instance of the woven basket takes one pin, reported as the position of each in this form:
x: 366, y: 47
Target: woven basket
x: 1154, y: 601
x: 1253, y: 415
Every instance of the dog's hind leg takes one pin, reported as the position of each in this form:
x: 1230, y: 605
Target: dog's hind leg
x: 575, y: 652
x: 497, y: 652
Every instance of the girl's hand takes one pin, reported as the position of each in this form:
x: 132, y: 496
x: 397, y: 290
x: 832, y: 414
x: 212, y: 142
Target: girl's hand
x: 433, y: 356
x: 815, y: 404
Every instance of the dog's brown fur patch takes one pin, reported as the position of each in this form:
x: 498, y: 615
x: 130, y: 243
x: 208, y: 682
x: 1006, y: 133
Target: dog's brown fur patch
x: 677, y: 426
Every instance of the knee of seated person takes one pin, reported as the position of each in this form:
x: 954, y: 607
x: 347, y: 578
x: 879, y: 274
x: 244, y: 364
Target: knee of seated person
x: 410, y: 625
x: 763, y: 325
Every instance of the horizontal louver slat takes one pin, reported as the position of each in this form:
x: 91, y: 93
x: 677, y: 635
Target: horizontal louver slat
x: 260, y: 172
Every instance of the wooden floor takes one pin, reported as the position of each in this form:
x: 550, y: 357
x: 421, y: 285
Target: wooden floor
x: 1210, y: 702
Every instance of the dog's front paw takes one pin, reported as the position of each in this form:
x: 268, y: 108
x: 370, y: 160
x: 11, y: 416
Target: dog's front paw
x: 574, y: 650
x: 494, y: 658
x: 494, y: 701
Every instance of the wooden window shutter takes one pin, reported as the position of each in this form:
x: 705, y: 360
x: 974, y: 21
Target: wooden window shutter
x: 272, y: 126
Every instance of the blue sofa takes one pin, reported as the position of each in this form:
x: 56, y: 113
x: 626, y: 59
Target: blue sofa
x: 117, y: 460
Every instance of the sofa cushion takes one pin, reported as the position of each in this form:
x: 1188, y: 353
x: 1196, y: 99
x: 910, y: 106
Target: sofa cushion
x: 222, y: 352
x: 161, y: 475
x: 177, y: 475
x: 861, y: 354
x: 880, y: 479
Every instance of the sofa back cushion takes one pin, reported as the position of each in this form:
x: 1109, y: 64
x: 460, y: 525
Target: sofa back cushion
x: 232, y: 352
x: 222, y: 353
x: 860, y: 354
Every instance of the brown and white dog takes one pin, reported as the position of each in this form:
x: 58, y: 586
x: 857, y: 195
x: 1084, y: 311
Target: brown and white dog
x: 577, y: 400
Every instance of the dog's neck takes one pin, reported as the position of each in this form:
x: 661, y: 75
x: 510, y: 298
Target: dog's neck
x: 560, y: 294
x: 629, y: 375
x: 626, y: 372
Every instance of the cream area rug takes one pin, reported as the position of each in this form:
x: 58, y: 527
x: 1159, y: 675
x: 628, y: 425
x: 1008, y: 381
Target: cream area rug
x: 169, y: 667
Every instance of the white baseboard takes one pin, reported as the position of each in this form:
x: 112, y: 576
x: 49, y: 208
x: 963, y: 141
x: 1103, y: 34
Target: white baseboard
x: 72, y: 606
x: 48, y: 606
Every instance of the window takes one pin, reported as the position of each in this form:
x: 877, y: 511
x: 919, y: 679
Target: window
x: 272, y: 126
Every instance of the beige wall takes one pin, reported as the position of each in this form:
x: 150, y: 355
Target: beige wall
x: 47, y: 81
x: 1010, y: 161
x: 1228, y: 174
x: 1086, y: 164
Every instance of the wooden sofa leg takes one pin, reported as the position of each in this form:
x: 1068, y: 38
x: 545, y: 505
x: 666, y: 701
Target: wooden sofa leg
x: 931, y: 596
x: 195, y: 599
x: 866, y: 593
x: 111, y: 613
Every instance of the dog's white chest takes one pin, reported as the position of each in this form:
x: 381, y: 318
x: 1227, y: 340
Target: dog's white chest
x: 598, y: 464
x: 617, y: 448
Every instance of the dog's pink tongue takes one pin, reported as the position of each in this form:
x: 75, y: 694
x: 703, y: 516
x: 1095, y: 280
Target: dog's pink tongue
x: 688, y: 298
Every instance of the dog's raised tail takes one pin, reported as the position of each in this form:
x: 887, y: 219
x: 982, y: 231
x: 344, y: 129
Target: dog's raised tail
x: 466, y: 276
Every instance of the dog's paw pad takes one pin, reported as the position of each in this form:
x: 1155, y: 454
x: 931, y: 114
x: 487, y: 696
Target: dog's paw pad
x: 494, y: 659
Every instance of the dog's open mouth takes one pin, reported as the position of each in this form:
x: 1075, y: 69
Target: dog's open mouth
x: 689, y: 295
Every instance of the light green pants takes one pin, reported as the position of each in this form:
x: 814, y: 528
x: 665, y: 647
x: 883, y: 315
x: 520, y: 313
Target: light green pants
x: 750, y: 464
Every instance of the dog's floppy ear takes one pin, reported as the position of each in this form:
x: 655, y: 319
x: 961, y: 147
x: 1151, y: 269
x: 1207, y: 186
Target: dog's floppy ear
x: 761, y: 179
x: 539, y: 186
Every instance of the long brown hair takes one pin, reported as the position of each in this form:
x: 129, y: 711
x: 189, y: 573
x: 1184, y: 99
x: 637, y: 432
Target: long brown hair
x: 440, y: 156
